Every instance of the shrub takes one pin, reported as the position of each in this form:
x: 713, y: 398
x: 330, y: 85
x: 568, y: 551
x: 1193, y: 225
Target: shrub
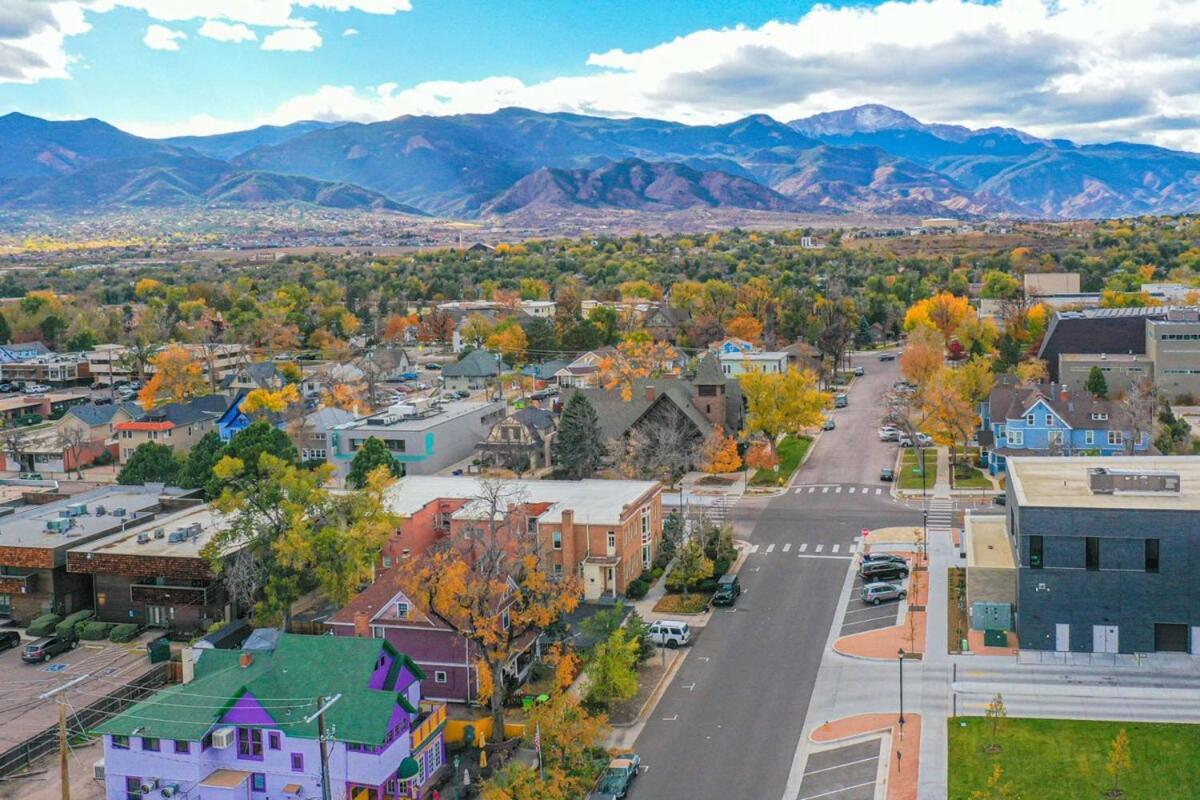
x: 123, y: 633
x: 104, y: 459
x: 72, y: 621
x: 95, y: 631
x: 637, y: 589
x: 721, y: 566
x: 44, y: 625
x: 656, y: 573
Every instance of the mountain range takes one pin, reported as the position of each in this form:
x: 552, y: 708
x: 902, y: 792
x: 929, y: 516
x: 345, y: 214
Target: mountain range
x: 866, y: 160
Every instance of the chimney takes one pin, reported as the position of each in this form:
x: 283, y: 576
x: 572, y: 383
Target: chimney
x: 187, y: 659
x: 246, y: 660
x: 1063, y: 393
x: 568, y: 540
x: 650, y: 395
x: 362, y: 625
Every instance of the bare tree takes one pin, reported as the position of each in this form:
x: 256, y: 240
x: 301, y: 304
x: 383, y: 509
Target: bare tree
x: 242, y: 573
x: 663, y: 446
x: 1140, y: 403
x: 14, y: 438
x: 72, y: 439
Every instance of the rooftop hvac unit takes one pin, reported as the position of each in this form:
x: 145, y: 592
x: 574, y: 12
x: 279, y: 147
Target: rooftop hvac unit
x: 222, y: 738
x: 77, y: 509
x: 118, y: 512
x: 194, y: 529
x: 59, y: 524
x: 177, y: 536
x: 159, y: 533
x: 149, y: 785
x: 101, y: 511
x: 143, y: 538
x: 98, y: 770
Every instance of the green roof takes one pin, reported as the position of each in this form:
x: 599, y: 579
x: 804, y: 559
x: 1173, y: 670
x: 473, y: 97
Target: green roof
x: 286, y: 683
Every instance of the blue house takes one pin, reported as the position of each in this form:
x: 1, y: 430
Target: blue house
x: 1051, y: 419
x: 234, y: 419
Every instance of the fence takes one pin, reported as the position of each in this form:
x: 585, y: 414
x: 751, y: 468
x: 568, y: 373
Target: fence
x: 46, y: 742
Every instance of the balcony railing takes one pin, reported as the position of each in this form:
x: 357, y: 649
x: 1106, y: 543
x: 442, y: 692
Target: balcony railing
x: 432, y: 716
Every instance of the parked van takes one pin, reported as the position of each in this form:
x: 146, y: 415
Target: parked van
x: 670, y: 633
x: 728, y: 590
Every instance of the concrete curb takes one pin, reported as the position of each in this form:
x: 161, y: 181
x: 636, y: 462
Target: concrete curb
x: 656, y: 694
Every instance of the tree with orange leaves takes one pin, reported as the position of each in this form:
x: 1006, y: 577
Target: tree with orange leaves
x: 177, y: 377
x: 745, y: 327
x: 397, y: 326
x: 637, y: 357
x: 923, y: 355
x: 489, y: 583
x: 720, y: 453
x: 761, y: 456
x: 944, y: 312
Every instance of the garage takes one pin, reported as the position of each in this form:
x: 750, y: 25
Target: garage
x: 1170, y: 637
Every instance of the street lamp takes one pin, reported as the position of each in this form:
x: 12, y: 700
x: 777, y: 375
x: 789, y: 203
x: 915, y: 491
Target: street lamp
x: 901, y: 662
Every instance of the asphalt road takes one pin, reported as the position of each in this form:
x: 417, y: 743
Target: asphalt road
x: 729, y: 722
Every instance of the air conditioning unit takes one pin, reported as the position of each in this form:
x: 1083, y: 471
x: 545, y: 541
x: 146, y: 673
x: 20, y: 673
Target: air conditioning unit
x: 176, y: 536
x: 149, y: 785
x: 159, y: 533
x: 170, y: 790
x: 98, y: 770
x: 222, y: 738
x: 143, y: 538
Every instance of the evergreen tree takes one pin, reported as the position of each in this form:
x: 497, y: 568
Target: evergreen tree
x: 1096, y: 385
x: 197, y: 468
x: 151, y: 462
x: 578, y: 449
x: 582, y: 336
x: 371, y: 455
x: 542, y: 339
x: 862, y: 337
x: 5, y: 331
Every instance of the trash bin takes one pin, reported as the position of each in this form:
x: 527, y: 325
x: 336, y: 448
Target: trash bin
x: 160, y: 650
x: 995, y: 637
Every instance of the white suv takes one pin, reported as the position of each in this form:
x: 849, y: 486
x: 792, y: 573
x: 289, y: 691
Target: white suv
x: 670, y: 633
x: 888, y: 434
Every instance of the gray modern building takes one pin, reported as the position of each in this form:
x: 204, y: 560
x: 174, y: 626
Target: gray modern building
x: 1106, y: 553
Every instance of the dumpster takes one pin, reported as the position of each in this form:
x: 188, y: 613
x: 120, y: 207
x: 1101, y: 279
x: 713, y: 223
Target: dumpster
x: 160, y: 650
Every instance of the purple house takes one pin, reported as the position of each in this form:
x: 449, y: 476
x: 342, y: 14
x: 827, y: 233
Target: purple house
x: 245, y: 727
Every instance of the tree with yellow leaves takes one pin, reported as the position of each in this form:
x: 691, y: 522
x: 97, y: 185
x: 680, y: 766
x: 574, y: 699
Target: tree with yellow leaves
x: 263, y: 402
x: 720, y: 453
x: 489, y: 582
x: 784, y: 402
x: 637, y: 357
x: 950, y: 416
x: 974, y: 379
x: 1031, y: 371
x: 177, y: 377
x: 923, y: 355
x: 944, y: 312
x: 510, y: 341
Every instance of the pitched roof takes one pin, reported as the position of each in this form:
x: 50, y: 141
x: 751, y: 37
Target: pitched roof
x: 375, y: 598
x: 476, y: 364
x: 92, y: 414
x: 1010, y: 400
x: 617, y: 415
x: 546, y: 369
x: 285, y: 682
x: 708, y: 371
x: 324, y: 419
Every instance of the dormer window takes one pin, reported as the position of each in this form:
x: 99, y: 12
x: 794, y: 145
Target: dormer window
x: 402, y: 610
x: 1049, y: 421
x: 1100, y: 416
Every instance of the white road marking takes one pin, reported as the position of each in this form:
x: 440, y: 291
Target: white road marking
x: 840, y: 766
x: 812, y: 489
x: 835, y: 558
x: 837, y: 791
x: 753, y: 548
x: 824, y: 490
x: 853, y: 549
x: 851, y: 489
x: 819, y: 548
x: 803, y: 547
x: 787, y: 547
x: 670, y: 719
x: 771, y: 548
x: 879, y: 491
x: 837, y: 490
x: 836, y: 547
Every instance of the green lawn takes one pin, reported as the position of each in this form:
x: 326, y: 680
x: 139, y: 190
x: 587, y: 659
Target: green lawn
x: 1050, y: 759
x: 968, y: 476
x: 791, y: 452
x: 909, y: 477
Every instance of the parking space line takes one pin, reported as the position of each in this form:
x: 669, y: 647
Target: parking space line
x: 803, y: 547
x: 812, y: 489
x: 860, y: 611
x: 787, y: 547
x: 866, y: 621
x: 837, y: 791
x: 840, y: 766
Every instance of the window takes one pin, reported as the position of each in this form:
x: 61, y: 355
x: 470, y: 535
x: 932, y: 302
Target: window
x: 402, y: 610
x: 1029, y: 420
x: 182, y: 746
x: 1035, y: 552
x: 1096, y: 415
x: 1055, y: 438
x: 150, y: 743
x: 258, y: 782
x: 1092, y: 552
x: 1049, y: 421
x: 504, y: 620
x: 439, y: 676
x: 273, y: 740
x: 612, y: 540
x: 297, y: 762
x: 1152, y: 555
x: 250, y: 743
x: 120, y: 742
x: 1114, y: 437
x: 133, y: 788
x: 1016, y: 438
x: 387, y: 562
x: 556, y: 540
x: 1089, y: 437
x: 558, y: 569
x: 206, y: 742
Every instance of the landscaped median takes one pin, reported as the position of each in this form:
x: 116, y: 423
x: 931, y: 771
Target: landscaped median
x: 791, y: 452
x: 909, y: 477
x: 1059, y: 759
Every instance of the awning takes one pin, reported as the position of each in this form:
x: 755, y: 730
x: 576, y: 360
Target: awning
x: 292, y: 788
x: 408, y: 769
x: 225, y: 778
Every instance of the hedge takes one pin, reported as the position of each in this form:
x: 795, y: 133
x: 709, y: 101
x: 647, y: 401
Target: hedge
x: 95, y: 631
x: 637, y: 589
x: 44, y: 625
x: 125, y: 632
x: 72, y: 620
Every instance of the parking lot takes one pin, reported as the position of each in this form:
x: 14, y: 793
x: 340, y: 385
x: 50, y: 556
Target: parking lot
x: 842, y: 773
x: 108, y: 667
x: 861, y: 617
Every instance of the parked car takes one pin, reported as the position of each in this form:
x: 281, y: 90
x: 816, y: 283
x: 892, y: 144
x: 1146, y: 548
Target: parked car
x: 433, y: 365
x: 36, y: 388
x: 47, y: 648
x: 9, y: 640
x: 409, y: 376
x: 728, y: 590
x: 617, y: 777
x: 544, y: 394
x: 135, y: 385
x: 840, y: 401
x: 859, y: 372
x: 7, y: 388
x: 97, y: 387
x: 876, y: 593
x: 921, y: 440
x: 882, y: 571
x: 888, y: 434
x: 883, y: 558
x: 887, y: 356
x: 670, y: 633
x: 829, y: 424
x: 1000, y: 499
x: 887, y: 474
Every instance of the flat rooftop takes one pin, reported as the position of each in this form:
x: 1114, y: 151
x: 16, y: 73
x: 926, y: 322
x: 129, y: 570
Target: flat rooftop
x: 125, y: 543
x: 1063, y: 482
x: 1101, y: 357
x: 595, y: 502
x: 449, y: 411
x: 26, y: 527
x: 987, y: 540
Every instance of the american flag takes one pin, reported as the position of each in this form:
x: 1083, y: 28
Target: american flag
x: 537, y: 739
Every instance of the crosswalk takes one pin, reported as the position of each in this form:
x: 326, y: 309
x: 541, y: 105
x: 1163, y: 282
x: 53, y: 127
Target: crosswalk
x: 807, y: 550
x: 939, y: 515
x: 832, y: 489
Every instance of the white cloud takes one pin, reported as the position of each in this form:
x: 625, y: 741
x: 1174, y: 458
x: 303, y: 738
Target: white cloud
x: 298, y: 38
x: 350, y: 32
x: 1090, y: 69
x: 225, y: 32
x: 160, y: 37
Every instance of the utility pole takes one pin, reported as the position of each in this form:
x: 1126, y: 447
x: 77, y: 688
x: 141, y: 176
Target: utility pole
x: 62, y: 732
x: 319, y: 716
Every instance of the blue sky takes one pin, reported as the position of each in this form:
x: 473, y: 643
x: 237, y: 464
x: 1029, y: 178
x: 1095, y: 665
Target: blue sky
x: 1089, y: 69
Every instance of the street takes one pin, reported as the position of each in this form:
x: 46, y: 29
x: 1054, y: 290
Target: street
x: 729, y: 722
